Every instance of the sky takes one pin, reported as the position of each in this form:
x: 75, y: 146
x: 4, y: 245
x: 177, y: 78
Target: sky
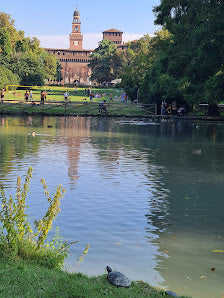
x: 51, y: 20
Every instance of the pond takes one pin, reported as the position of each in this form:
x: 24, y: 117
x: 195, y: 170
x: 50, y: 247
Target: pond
x: 146, y: 195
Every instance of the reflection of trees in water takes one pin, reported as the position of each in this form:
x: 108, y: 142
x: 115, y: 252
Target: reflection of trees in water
x: 186, y: 216
x: 15, y: 142
x: 183, y: 210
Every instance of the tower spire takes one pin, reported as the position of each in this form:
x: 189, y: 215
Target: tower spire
x: 76, y: 36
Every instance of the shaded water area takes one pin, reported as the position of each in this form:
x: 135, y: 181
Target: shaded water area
x: 147, y: 196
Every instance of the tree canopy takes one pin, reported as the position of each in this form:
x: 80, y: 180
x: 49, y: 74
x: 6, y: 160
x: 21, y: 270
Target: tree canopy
x: 136, y: 61
x: 196, y: 55
x: 185, y: 60
x: 23, y: 57
x: 104, y: 62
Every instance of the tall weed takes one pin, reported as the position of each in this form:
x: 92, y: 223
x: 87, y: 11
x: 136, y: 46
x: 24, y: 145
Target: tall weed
x: 17, y: 237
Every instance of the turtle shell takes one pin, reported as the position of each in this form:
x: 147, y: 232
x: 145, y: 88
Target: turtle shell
x: 118, y: 279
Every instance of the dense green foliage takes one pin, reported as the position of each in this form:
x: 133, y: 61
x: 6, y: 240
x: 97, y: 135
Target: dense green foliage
x: 23, y: 56
x: 17, y: 237
x: 7, y: 77
x: 105, y: 62
x: 136, y: 61
x: 184, y: 61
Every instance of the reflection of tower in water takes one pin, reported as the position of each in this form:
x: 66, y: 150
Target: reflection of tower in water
x: 75, y: 131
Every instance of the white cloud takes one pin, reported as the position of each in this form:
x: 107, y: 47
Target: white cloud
x: 131, y: 36
x: 90, y: 40
x: 54, y: 41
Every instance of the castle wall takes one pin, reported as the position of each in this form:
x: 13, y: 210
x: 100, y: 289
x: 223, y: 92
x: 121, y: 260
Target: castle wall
x: 75, y: 60
x: 74, y: 65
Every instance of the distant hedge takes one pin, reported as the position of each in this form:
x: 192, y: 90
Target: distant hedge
x: 7, y: 77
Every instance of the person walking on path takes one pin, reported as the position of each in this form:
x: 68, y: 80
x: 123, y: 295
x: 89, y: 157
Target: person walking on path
x: 31, y: 95
x: 26, y: 95
x: 66, y: 95
x: 45, y: 95
x: 42, y: 95
x: 2, y: 95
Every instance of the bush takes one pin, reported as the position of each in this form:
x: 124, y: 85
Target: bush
x: 7, y: 77
x: 17, y: 238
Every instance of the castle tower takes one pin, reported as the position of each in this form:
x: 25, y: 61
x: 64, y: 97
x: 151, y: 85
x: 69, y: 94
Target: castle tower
x: 113, y: 35
x: 76, y: 36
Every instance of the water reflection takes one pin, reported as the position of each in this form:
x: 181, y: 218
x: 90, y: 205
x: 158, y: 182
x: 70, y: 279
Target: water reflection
x: 146, y: 195
x: 73, y: 135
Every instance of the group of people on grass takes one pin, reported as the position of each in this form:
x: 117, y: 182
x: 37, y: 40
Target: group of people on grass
x: 28, y: 95
x: 167, y: 109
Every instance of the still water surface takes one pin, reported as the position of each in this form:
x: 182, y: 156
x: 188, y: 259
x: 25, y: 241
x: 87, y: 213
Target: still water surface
x: 147, y: 196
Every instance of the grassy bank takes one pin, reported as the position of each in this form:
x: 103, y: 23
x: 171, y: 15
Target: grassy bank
x: 79, y: 103
x: 78, y: 108
x: 22, y: 279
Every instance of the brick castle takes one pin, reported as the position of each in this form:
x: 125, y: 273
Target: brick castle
x: 75, y: 60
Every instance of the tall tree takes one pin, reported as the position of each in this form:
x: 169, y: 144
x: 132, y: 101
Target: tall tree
x: 157, y: 83
x: 196, y: 57
x: 5, y: 44
x: 136, y: 61
x: 103, y: 64
x: 8, y: 23
x: 23, y: 56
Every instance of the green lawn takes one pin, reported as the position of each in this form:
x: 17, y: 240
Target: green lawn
x: 57, y: 93
x: 78, y: 104
x: 20, y: 279
x: 74, y: 108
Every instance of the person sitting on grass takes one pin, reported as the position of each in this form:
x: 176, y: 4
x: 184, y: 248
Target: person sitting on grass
x: 102, y: 107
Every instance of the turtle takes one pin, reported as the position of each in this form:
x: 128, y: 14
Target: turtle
x: 117, y: 278
x: 172, y: 294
